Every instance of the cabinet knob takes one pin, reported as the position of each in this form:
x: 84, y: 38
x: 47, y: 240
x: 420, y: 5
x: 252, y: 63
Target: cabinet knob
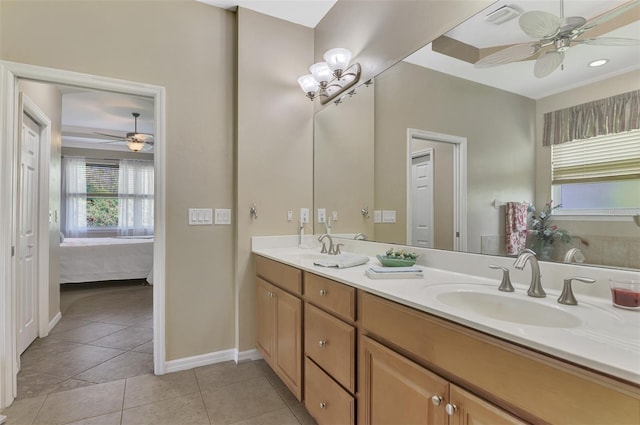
x: 323, y: 405
x: 322, y: 343
x: 450, y: 409
x: 323, y: 292
x: 436, y: 400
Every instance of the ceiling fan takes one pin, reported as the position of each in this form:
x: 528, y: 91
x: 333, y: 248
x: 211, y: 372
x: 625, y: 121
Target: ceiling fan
x: 555, y: 34
x: 135, y: 141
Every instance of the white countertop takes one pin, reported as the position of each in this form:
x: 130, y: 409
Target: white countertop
x: 606, y: 340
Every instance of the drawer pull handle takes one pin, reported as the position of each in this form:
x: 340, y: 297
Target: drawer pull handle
x: 450, y: 409
x: 322, y: 343
x: 323, y: 292
x: 323, y: 405
x: 436, y: 400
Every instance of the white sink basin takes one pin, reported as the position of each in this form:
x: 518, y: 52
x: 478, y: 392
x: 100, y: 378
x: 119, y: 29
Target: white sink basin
x: 509, y: 309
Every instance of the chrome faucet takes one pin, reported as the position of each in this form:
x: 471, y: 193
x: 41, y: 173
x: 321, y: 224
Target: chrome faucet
x: 535, y: 289
x: 324, y: 247
x: 574, y: 255
x: 360, y: 236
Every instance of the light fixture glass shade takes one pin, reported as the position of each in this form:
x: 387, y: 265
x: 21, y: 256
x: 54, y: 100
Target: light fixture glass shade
x: 337, y: 58
x: 321, y: 72
x: 308, y: 84
x: 135, y: 145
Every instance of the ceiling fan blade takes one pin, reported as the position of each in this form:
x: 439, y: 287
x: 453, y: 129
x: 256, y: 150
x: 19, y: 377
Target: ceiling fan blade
x: 508, y: 55
x: 547, y: 63
x: 538, y: 24
x: 571, y: 25
x: 610, y: 41
x: 110, y: 135
x: 607, y: 16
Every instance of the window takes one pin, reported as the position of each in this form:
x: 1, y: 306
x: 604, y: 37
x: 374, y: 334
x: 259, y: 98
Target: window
x: 598, y: 176
x: 102, y: 195
x: 107, y: 196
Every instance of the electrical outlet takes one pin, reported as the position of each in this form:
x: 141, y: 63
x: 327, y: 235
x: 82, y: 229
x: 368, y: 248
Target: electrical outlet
x: 377, y: 216
x: 334, y: 215
x: 222, y: 216
x: 304, y: 215
x: 290, y: 215
x: 322, y: 215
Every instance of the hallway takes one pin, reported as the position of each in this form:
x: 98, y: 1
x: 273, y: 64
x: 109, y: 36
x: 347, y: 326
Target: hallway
x: 96, y: 368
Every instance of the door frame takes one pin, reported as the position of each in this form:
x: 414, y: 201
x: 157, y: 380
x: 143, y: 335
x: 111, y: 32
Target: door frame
x: 459, y: 181
x: 27, y: 106
x: 418, y: 154
x: 10, y: 72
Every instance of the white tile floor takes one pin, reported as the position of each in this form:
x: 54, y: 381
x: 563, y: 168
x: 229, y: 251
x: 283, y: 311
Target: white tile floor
x: 95, y: 368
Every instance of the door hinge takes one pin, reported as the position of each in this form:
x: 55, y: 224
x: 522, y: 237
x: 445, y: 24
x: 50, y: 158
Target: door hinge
x: 13, y: 250
x: 457, y: 234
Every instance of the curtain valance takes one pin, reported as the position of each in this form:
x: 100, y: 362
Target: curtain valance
x: 615, y: 114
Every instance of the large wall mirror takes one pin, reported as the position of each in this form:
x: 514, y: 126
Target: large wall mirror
x: 432, y: 150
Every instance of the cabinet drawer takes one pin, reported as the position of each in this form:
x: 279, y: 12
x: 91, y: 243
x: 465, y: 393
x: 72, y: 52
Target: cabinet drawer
x: 325, y: 400
x: 279, y: 274
x: 330, y: 295
x: 534, y: 386
x: 330, y: 342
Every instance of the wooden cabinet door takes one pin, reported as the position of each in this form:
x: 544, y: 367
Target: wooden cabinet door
x: 288, y: 341
x: 396, y: 390
x: 471, y: 410
x: 265, y: 319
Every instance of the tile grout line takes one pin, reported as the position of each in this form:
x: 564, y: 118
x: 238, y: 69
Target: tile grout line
x: 204, y: 403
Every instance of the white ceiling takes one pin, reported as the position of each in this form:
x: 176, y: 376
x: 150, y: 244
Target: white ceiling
x: 87, y: 112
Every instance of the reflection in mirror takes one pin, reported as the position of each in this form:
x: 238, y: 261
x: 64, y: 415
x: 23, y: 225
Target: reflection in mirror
x: 500, y: 115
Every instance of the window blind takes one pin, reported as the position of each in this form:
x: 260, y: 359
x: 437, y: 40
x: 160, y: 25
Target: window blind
x: 102, y: 179
x: 603, y: 158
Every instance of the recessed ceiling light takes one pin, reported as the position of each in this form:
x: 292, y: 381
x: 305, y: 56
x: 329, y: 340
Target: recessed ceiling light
x: 597, y: 63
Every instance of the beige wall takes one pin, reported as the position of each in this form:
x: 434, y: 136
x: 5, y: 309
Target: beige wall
x: 188, y: 48
x: 343, y: 163
x: 500, y: 151
x: 382, y: 32
x: 615, y: 243
x: 49, y: 99
x: 275, y: 143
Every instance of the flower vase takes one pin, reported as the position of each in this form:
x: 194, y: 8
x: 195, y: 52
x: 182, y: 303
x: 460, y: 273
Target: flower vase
x: 544, y: 250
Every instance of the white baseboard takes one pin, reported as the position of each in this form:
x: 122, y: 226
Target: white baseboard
x: 243, y: 356
x: 186, y: 363
x: 54, y: 321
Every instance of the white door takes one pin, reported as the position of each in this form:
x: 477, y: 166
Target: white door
x: 422, y: 199
x: 27, y: 277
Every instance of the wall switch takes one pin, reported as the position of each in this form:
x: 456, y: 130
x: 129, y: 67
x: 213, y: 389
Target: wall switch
x: 377, y: 216
x: 334, y: 215
x: 200, y: 216
x: 223, y: 216
x: 304, y: 215
x: 388, y: 216
x: 290, y: 215
x: 322, y: 215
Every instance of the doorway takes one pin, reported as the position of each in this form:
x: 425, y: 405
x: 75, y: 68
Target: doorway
x: 10, y: 73
x: 437, y: 194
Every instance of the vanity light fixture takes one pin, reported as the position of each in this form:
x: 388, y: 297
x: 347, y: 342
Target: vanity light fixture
x: 331, y: 77
x: 597, y: 63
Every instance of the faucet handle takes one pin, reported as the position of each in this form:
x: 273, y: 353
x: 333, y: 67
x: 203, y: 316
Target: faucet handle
x: 505, y: 285
x: 336, y: 250
x: 567, y: 297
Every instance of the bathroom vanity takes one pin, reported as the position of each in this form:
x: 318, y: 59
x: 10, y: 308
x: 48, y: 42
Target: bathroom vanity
x: 365, y: 351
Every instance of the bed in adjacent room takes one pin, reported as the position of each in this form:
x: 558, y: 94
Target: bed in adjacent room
x: 99, y: 259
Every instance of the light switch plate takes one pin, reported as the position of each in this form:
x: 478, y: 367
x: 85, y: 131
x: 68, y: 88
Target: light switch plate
x: 377, y: 216
x: 223, y: 216
x: 290, y: 215
x: 200, y: 216
x: 388, y: 216
x: 334, y: 215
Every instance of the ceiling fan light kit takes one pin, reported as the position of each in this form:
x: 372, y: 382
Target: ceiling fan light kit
x: 136, y: 142
x: 555, y: 35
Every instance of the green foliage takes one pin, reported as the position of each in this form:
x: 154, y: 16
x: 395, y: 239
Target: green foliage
x: 102, y: 212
